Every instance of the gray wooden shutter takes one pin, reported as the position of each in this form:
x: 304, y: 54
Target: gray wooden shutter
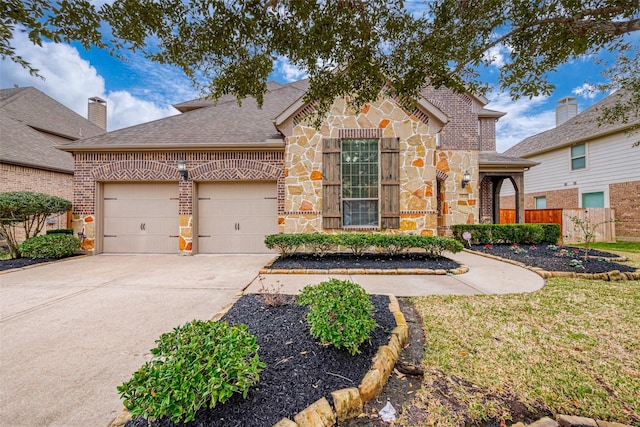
x: 331, y: 183
x: 390, y: 182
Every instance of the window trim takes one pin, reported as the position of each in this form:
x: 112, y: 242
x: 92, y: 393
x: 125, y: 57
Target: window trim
x: 389, y: 179
x: 604, y: 199
x: 582, y: 156
x: 345, y: 199
x: 535, y: 201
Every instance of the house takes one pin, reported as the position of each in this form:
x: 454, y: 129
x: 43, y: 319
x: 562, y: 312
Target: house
x: 583, y: 164
x: 31, y: 125
x: 220, y: 176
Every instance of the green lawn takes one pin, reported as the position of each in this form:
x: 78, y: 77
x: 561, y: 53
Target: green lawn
x: 571, y: 348
x: 633, y: 247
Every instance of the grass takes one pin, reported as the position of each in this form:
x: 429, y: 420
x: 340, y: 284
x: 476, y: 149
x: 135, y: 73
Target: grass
x: 572, y: 347
x: 633, y: 247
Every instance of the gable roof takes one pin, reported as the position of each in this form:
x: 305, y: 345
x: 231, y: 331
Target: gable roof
x: 32, y: 124
x: 205, y: 125
x: 582, y: 127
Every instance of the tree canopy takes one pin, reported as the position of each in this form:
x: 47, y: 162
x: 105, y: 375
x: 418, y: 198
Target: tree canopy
x: 347, y: 47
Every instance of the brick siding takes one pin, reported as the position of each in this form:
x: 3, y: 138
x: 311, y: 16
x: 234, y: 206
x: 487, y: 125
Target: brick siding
x: 162, y: 166
x: 624, y: 199
x: 557, y: 199
x: 461, y: 133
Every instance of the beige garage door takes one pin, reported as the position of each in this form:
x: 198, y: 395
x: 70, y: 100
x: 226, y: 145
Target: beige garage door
x: 235, y: 217
x: 140, y: 218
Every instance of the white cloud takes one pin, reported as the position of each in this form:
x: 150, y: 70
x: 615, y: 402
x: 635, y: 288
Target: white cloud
x: 525, y: 117
x: 585, y: 91
x: 289, y: 72
x: 71, y: 80
x: 497, y: 54
x: 124, y: 110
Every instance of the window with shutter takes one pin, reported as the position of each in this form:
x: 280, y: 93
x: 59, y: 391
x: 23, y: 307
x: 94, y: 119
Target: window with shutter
x: 361, y: 182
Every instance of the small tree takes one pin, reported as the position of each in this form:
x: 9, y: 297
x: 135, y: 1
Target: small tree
x: 588, y: 230
x: 29, y: 211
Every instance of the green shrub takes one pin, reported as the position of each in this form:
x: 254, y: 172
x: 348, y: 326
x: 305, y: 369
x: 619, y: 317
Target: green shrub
x: 320, y: 244
x: 393, y: 244
x: 61, y: 231
x: 285, y: 244
x: 357, y: 243
x: 435, y: 246
x: 26, y: 211
x: 49, y: 246
x: 501, y: 233
x: 551, y: 233
x: 200, y: 363
x: 340, y: 313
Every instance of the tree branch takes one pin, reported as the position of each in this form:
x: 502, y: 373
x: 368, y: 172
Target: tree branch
x: 576, y: 22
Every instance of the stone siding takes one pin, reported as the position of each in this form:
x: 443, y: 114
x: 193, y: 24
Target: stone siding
x: 92, y: 168
x: 419, y: 165
x: 624, y: 199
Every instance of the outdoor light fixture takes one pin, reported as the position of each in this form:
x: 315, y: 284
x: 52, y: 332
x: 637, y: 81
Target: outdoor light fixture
x: 466, y: 178
x: 182, y: 169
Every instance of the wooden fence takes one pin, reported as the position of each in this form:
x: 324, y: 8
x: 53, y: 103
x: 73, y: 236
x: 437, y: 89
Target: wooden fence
x: 605, y: 232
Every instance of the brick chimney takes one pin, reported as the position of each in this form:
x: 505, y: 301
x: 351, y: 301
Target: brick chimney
x: 567, y: 108
x: 97, y: 111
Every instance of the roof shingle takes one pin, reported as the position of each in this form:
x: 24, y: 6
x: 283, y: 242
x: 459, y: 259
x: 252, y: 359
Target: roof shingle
x: 204, y: 125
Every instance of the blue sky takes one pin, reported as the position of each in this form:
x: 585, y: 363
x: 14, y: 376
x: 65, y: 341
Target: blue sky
x: 139, y: 91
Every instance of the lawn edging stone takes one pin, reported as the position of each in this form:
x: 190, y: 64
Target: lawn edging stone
x: 570, y: 421
x: 610, y: 276
x: 348, y: 403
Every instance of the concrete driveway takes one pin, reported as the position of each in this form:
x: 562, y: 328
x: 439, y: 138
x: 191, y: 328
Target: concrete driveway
x: 70, y: 332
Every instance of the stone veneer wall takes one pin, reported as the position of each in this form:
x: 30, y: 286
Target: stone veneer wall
x: 20, y: 178
x: 623, y: 197
x: 92, y: 168
x: 419, y: 165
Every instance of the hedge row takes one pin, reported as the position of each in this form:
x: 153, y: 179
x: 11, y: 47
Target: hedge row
x: 60, y: 231
x: 507, y: 233
x: 358, y: 243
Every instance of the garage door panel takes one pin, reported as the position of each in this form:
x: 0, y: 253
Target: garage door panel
x: 140, y: 244
x: 237, y: 216
x: 140, y: 217
x: 141, y: 226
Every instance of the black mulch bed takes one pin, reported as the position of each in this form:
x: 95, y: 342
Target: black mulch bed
x: 558, y: 259
x: 8, y: 264
x: 299, y: 371
x: 368, y: 260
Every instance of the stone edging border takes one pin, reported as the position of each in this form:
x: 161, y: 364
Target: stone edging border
x: 391, y: 271
x: 348, y: 402
x: 570, y: 421
x: 613, y: 275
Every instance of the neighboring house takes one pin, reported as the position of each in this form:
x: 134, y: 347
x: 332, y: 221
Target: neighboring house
x: 251, y: 172
x: 584, y: 165
x: 31, y: 125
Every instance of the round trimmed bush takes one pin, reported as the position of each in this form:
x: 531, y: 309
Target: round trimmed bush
x: 340, y: 313
x: 50, y: 246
